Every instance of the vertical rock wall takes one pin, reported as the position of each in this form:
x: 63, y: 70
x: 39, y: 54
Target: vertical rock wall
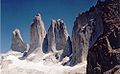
x: 37, y: 35
x: 104, y: 55
x: 58, y: 38
x: 87, y: 28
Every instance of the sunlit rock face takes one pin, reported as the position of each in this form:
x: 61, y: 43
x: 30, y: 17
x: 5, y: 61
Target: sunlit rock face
x: 37, y: 35
x: 87, y: 28
x: 17, y: 42
x: 58, y: 38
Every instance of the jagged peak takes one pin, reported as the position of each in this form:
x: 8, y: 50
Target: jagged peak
x: 99, y: 2
x: 38, y: 14
x: 57, y: 24
x: 37, y: 21
x: 57, y: 21
x: 17, y: 32
x: 53, y: 21
x: 61, y: 21
x: 37, y: 17
x: 107, y: 1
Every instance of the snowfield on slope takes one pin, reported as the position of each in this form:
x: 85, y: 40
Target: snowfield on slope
x: 11, y: 64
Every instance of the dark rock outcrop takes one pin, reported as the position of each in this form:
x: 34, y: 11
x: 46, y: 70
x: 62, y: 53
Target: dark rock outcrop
x: 87, y: 28
x: 17, y: 42
x: 115, y: 70
x: 104, y: 54
x: 96, y: 36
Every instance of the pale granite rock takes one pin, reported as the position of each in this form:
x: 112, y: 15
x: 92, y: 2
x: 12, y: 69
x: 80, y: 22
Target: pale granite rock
x: 58, y: 38
x: 37, y: 35
x: 17, y: 42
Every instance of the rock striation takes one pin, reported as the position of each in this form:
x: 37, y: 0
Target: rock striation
x: 37, y: 35
x: 58, y: 38
x: 17, y: 42
x: 104, y: 55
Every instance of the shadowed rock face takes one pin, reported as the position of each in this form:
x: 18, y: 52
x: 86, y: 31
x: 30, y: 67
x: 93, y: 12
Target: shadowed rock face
x: 58, y: 38
x: 37, y: 34
x: 96, y: 36
x: 45, y: 44
x: 17, y: 42
x: 87, y: 28
x: 104, y: 55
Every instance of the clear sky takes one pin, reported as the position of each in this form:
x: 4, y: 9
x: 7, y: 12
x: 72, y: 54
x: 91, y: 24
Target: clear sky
x: 20, y: 13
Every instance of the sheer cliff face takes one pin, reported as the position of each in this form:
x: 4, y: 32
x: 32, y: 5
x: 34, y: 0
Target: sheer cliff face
x: 37, y: 33
x: 58, y: 38
x: 96, y: 33
x: 105, y: 53
x: 87, y: 28
x: 17, y: 42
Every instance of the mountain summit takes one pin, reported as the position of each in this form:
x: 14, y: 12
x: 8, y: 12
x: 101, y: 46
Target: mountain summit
x: 37, y: 35
x: 17, y: 42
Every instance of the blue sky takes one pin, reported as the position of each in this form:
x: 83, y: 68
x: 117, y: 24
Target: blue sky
x: 20, y: 13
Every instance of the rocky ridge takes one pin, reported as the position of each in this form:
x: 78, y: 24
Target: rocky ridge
x: 88, y: 26
x: 107, y: 46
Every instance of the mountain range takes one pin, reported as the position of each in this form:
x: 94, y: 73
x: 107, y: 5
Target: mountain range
x: 93, y: 48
